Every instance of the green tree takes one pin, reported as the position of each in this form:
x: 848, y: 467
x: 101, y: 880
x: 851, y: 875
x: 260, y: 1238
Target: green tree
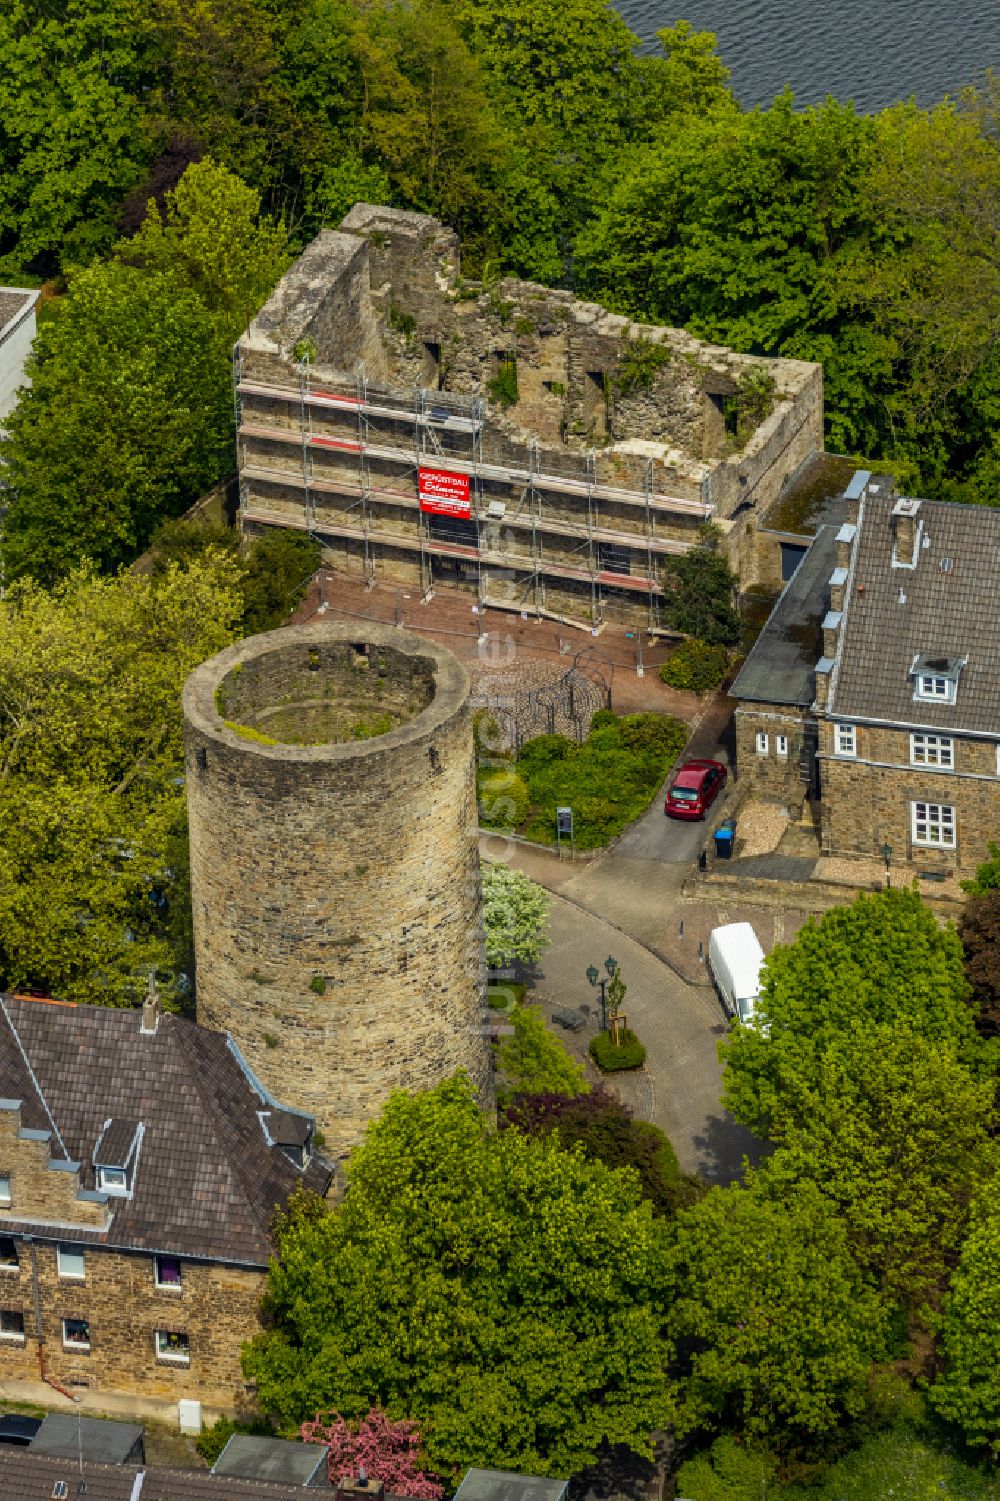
x: 515, y: 915
x: 72, y: 136
x: 700, y: 593
x: 93, y: 874
x: 896, y: 1133
x: 127, y: 420
x: 211, y: 239
x: 967, y: 1392
x: 979, y: 930
x: 502, y: 1293
x: 881, y: 962
x: 773, y: 1330
x: 277, y: 569
x: 129, y: 415
x: 536, y: 1062
x: 688, y: 78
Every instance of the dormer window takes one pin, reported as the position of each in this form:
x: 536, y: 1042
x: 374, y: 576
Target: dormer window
x: 116, y: 1155
x: 935, y: 679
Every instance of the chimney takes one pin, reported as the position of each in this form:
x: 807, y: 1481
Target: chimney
x: 151, y: 1009
x: 355, y: 1488
x: 904, y: 533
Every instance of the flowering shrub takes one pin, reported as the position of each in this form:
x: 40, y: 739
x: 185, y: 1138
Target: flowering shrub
x: 386, y: 1450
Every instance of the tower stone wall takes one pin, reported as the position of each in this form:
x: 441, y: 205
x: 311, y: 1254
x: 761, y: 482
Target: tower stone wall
x: 334, y: 866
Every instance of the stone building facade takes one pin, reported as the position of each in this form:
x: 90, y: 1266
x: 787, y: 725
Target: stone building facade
x: 140, y: 1164
x: 539, y: 451
x: 898, y: 681
x: 335, y: 868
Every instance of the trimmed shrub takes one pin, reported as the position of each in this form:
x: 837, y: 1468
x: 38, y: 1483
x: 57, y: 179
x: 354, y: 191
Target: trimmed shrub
x: 503, y: 798
x: 695, y: 667
x: 611, y: 1059
x: 534, y: 1061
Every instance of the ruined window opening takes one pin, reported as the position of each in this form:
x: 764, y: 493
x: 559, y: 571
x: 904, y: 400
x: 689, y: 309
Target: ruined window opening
x: 434, y: 758
x: 730, y: 414
x: 431, y: 374
x: 595, y: 402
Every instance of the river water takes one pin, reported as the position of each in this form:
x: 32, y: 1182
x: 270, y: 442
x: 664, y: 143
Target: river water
x: 871, y: 51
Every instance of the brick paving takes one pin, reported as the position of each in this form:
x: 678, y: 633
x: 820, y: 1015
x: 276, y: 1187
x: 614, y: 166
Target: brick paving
x: 447, y: 617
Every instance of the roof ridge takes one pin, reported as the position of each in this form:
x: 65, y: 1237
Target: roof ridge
x: 33, y: 1077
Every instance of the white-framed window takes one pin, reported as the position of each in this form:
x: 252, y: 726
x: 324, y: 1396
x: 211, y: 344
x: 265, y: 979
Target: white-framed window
x: 933, y: 825
x: 5, y: 1198
x: 845, y: 740
x: 932, y: 750
x: 113, y: 1180
x: 70, y: 1263
x: 935, y: 687
x: 9, y: 1260
x: 173, y: 1347
x: 762, y: 743
x: 781, y: 747
x: 168, y: 1273
x: 12, y: 1325
x: 75, y: 1334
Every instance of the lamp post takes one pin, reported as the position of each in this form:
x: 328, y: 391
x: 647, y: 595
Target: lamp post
x: 597, y: 979
x: 887, y: 857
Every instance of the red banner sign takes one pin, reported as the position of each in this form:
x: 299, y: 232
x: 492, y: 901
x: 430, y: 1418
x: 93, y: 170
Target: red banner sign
x: 445, y: 494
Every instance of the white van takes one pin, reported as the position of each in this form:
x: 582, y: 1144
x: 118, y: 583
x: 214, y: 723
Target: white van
x: 735, y: 958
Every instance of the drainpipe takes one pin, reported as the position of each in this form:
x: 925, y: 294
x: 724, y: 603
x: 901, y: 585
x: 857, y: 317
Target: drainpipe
x: 38, y: 1326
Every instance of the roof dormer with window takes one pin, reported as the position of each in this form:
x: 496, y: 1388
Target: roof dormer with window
x: 935, y: 679
x: 116, y: 1156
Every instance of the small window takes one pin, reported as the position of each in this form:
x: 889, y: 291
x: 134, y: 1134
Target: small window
x: 75, y: 1334
x: 933, y: 825
x: 173, y: 1347
x: 8, y: 1254
x: 939, y: 689
x: 12, y: 1325
x: 932, y: 750
x: 114, y: 1180
x: 69, y: 1260
x: 762, y: 743
x: 781, y: 746
x: 5, y: 1200
x: 168, y: 1273
x: 845, y: 738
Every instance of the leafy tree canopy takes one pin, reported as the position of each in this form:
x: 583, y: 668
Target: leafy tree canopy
x: 979, y: 931
x: 533, y: 1059
x: 515, y: 915
x: 967, y: 1392
x: 500, y: 1292
x: 773, y: 1330
x: 93, y: 888
x: 881, y: 962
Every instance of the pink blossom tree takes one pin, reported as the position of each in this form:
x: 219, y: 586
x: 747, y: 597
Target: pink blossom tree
x: 386, y: 1451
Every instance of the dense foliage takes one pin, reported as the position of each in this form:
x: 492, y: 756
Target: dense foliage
x: 613, y: 1055
x: 534, y: 1061
x: 273, y: 568
x: 695, y: 667
x: 608, y: 779
x: 869, y: 243
x: 93, y: 874
x: 604, y: 1128
x: 515, y: 915
x: 129, y: 415
x: 501, y: 1292
x: 386, y: 1452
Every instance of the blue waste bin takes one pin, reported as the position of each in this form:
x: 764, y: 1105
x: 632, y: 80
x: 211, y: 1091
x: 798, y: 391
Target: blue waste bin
x: 725, y: 837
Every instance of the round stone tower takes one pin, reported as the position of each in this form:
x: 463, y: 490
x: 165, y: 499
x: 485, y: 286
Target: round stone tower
x: 334, y: 866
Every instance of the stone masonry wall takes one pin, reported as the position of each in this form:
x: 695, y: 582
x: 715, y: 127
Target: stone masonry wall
x: 770, y: 777
x: 216, y: 1307
x: 866, y: 799
x: 43, y: 1188
x: 336, y: 894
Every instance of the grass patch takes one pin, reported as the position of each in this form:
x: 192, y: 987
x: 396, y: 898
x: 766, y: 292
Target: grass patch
x: 501, y: 995
x: 608, y: 780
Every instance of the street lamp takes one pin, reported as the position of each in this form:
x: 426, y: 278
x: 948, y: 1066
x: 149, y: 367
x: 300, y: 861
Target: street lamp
x: 597, y: 979
x: 887, y: 857
x: 610, y: 965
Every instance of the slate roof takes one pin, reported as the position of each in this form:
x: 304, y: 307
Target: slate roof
x: 206, y: 1182
x: 950, y: 613
x: 781, y: 666
x: 258, y: 1456
x: 32, y: 1477
x: 65, y: 1435
x: 504, y: 1485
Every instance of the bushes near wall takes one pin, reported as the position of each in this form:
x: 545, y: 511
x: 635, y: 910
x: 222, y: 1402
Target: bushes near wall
x: 695, y: 667
x: 612, y: 1057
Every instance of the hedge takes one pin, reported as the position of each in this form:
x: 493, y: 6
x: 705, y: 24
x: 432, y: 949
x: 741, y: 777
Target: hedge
x: 695, y: 667
x: 611, y: 1058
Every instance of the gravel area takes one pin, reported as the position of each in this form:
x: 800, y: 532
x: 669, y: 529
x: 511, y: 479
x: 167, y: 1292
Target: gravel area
x: 759, y: 827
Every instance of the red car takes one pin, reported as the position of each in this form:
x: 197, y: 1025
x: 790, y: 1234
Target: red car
x: 694, y: 789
